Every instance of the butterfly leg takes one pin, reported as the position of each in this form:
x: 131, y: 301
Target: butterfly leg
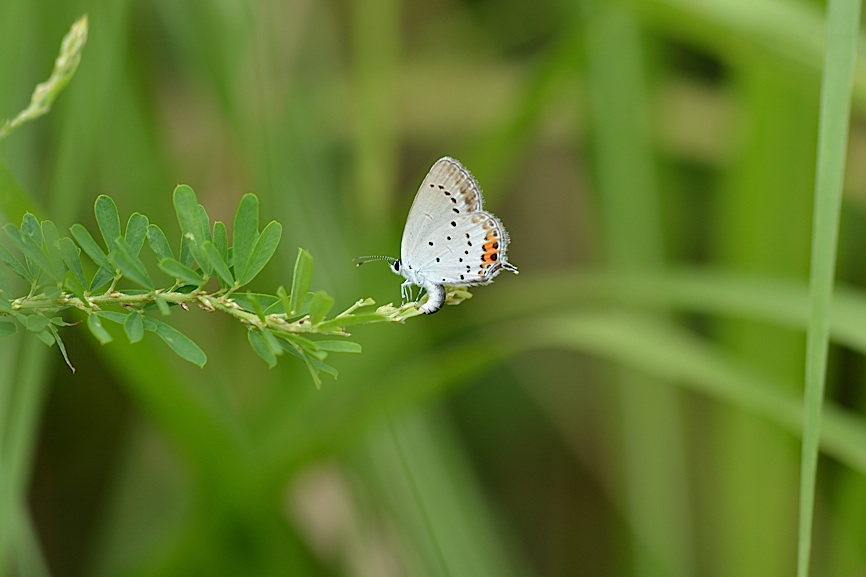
x: 406, y: 292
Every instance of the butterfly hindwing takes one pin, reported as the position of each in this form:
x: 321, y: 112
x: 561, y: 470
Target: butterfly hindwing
x: 468, y: 249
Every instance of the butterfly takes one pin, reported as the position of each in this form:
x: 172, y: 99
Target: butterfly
x: 449, y: 239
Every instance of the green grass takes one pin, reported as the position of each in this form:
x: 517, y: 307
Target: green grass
x: 631, y: 404
x: 843, y: 19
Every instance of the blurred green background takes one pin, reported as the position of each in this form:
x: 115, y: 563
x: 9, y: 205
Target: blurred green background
x: 628, y: 405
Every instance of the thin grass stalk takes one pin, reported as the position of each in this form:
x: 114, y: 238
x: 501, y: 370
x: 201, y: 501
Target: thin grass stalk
x: 843, y: 21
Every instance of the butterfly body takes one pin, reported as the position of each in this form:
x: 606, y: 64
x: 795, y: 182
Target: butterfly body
x: 449, y: 240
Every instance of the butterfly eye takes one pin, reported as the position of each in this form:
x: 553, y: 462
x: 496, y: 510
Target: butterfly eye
x: 396, y: 265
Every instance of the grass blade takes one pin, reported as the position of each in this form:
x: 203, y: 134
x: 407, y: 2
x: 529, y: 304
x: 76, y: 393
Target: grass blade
x: 843, y: 19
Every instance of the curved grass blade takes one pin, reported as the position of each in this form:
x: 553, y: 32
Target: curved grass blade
x: 843, y: 22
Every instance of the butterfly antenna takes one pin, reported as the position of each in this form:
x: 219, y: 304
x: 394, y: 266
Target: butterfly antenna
x: 365, y: 259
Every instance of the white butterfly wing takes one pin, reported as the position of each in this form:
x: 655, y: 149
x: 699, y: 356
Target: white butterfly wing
x: 468, y: 249
x: 448, y: 191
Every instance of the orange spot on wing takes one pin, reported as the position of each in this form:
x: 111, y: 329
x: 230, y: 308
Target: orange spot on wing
x: 491, y: 250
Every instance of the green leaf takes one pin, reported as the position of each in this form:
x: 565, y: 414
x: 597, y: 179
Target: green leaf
x: 95, y: 326
x: 164, y: 308
x: 14, y: 264
x: 90, y: 247
x: 72, y: 257
x: 113, y: 316
x: 31, y: 228
x: 300, y: 342
x: 314, y: 371
x: 133, y: 325
x: 5, y: 305
x: 46, y: 336
x: 339, y: 346
x: 158, y: 243
x: 185, y: 203
x: 186, y: 256
x: 181, y: 272
x: 136, y: 231
x: 53, y: 250
x: 291, y: 348
x: 7, y: 328
x: 73, y: 286
x: 218, y: 264
x: 359, y: 319
x: 29, y: 241
x: 100, y: 279
x: 35, y: 322
x: 273, y: 342
x: 189, y: 217
x: 301, y: 279
x: 130, y: 265
x: 265, y: 247
x: 61, y: 346
x: 320, y: 304
x: 203, y: 224
x: 245, y: 233
x: 221, y: 240
x: 181, y: 344
x: 262, y: 347
x: 256, y: 306
x: 108, y: 219
x: 323, y: 367
x: 284, y: 299
x: 52, y: 292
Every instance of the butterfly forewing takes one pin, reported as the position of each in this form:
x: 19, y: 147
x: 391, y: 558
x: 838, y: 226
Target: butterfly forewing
x: 448, y: 190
